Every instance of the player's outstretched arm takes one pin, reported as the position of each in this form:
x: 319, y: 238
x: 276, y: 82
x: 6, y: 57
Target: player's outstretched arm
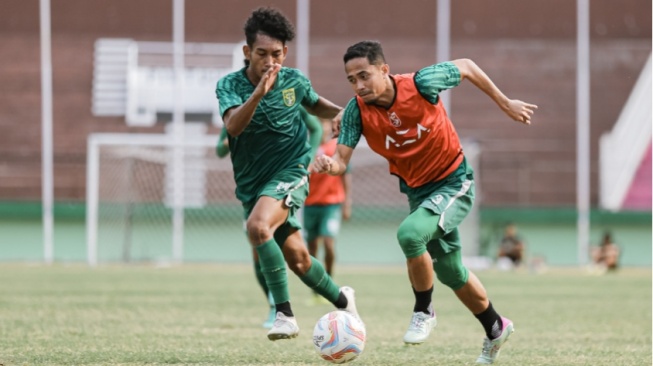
x: 346, y: 206
x: 336, y: 165
x: 335, y: 124
x: 324, y: 108
x: 516, y: 109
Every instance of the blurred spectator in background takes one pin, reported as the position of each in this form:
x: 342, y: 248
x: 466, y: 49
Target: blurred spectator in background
x: 511, y: 248
x: 606, y: 255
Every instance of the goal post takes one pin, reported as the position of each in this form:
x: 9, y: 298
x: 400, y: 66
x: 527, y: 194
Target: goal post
x: 130, y: 187
x: 130, y: 199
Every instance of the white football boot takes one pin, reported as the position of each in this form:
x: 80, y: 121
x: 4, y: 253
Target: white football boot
x: 351, y: 300
x: 284, y: 327
x: 420, y: 327
x: 491, y: 348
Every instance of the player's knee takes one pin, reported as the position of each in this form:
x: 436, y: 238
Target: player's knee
x: 410, y: 242
x: 450, y: 271
x: 258, y: 231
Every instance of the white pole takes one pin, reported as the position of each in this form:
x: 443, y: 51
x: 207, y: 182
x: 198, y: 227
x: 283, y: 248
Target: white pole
x: 583, y: 131
x: 443, y: 34
x: 46, y: 131
x: 303, y: 34
x: 178, y: 132
x: 92, y: 199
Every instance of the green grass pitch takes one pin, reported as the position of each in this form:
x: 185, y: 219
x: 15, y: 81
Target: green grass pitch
x: 211, y: 315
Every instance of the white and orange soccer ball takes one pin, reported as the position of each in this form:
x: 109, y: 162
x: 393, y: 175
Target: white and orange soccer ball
x: 339, y: 337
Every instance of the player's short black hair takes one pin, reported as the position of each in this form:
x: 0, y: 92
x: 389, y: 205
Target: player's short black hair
x: 369, y: 49
x: 270, y: 22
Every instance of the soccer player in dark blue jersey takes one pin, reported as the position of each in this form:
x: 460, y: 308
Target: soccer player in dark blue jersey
x: 261, y: 108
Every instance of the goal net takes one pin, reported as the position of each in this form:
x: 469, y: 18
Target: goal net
x: 132, y: 215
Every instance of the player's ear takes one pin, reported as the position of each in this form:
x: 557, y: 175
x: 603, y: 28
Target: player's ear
x: 247, y: 52
x: 285, y: 51
x: 385, y: 69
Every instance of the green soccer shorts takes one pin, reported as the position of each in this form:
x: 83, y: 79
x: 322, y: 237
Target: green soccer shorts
x: 451, y: 204
x: 449, y: 200
x: 322, y: 221
x: 291, y: 186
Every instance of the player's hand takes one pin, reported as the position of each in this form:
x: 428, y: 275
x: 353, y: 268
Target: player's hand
x: 311, y: 168
x: 322, y: 164
x: 335, y: 124
x: 346, y: 211
x: 267, y: 80
x: 521, y: 111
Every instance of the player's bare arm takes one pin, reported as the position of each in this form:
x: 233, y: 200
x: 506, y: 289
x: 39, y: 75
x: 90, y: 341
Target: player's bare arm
x: 516, y: 109
x: 335, y: 124
x: 336, y: 165
x: 237, y: 119
x: 346, y: 206
x: 324, y: 108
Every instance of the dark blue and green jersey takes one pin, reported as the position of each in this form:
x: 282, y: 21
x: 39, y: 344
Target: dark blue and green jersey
x: 276, y: 137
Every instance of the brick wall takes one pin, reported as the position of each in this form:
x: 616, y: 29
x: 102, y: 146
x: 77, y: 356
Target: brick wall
x: 528, y: 48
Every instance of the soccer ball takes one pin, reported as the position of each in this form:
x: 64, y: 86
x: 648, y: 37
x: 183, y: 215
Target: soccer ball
x: 339, y: 337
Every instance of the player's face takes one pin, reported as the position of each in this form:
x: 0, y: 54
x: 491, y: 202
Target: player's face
x: 368, y: 81
x: 265, y: 52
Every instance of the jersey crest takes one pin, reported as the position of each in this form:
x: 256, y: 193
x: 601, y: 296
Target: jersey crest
x: 394, y: 119
x: 289, y: 97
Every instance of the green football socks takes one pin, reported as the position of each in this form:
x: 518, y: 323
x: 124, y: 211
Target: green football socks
x: 260, y: 278
x: 273, y: 267
x: 317, y: 279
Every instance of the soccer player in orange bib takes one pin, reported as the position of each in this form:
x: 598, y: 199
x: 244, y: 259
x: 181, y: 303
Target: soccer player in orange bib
x: 403, y: 120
